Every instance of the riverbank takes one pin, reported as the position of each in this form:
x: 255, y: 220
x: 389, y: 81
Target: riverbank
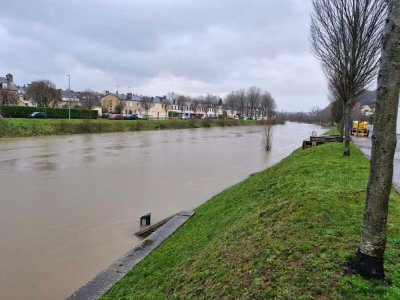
x: 38, y: 127
x: 285, y: 232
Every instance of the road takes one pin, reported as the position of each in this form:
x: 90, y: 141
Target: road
x: 365, y: 145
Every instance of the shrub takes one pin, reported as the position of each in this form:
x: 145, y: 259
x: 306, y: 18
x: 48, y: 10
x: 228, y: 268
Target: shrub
x: 193, y: 123
x: 62, y: 127
x: 139, y: 125
x: 221, y: 122
x: 266, y: 142
x: 206, y: 122
x: 163, y: 125
x: 85, y: 126
x: 173, y: 114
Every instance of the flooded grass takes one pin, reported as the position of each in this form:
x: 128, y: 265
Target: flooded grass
x: 29, y: 127
x: 284, y: 233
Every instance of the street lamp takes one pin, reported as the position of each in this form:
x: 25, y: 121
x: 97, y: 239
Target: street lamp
x: 69, y: 97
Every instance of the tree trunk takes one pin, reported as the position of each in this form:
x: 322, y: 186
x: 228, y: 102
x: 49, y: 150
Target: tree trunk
x: 342, y: 128
x: 346, y: 127
x: 369, y: 260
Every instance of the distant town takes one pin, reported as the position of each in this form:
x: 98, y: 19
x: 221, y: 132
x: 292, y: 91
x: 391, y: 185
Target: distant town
x: 252, y: 103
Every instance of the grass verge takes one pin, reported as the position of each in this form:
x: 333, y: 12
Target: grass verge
x: 283, y: 233
x: 332, y: 131
x: 32, y: 127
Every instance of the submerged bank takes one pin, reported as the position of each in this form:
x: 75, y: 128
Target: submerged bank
x: 39, y: 127
x: 285, y: 232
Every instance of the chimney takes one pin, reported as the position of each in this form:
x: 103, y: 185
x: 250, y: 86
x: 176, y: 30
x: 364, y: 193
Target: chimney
x: 129, y: 96
x: 10, y: 78
x: 116, y: 93
x: 107, y: 92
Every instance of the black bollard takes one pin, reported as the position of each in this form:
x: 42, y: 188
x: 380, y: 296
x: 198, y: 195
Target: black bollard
x: 145, y: 220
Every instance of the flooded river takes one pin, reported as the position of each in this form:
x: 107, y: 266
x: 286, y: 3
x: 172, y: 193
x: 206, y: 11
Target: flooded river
x: 70, y: 205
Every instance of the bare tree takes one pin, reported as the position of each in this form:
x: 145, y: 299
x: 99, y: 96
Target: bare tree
x: 181, y: 102
x: 242, y: 102
x: 171, y: 96
x: 345, y: 37
x: 267, y: 105
x: 337, y: 115
x: 231, y: 102
x: 44, y: 93
x: 266, y: 141
x: 195, y: 104
x: 8, y: 97
x: 147, y: 103
x: 210, y: 102
x: 119, y: 108
x: 370, y: 255
x: 253, y: 98
x: 165, y: 104
x: 89, y: 99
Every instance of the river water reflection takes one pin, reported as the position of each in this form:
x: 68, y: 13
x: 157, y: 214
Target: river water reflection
x: 70, y: 205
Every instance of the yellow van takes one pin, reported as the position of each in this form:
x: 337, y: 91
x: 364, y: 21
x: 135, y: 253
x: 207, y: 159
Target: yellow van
x: 361, y: 128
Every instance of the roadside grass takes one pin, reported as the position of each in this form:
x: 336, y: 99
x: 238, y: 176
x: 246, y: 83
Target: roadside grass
x: 35, y: 127
x: 332, y: 131
x: 284, y: 233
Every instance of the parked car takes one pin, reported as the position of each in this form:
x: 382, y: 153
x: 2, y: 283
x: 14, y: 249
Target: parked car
x: 116, y: 117
x: 131, y: 117
x: 37, y: 115
x: 183, y: 117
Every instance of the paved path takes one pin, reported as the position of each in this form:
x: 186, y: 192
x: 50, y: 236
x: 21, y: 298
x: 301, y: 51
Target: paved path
x: 365, y: 145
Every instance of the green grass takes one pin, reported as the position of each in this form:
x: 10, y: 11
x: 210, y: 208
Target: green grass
x: 284, y: 233
x: 333, y: 131
x: 32, y: 127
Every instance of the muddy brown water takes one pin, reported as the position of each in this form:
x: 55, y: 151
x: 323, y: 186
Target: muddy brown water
x: 70, y: 205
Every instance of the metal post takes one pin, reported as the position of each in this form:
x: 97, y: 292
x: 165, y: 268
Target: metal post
x: 69, y: 97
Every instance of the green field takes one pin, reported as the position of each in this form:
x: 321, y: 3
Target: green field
x: 35, y: 127
x: 284, y: 233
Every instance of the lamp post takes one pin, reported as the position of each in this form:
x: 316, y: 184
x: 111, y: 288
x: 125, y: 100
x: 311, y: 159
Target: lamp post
x: 69, y: 97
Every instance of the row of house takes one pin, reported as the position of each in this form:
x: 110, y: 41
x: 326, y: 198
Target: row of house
x: 158, y: 107
x: 68, y: 97
x: 152, y: 107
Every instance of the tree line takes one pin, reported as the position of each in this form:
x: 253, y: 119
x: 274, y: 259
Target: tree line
x: 44, y: 93
x: 250, y: 103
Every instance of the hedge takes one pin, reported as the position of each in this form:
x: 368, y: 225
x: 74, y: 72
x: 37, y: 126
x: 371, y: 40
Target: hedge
x: 51, y: 113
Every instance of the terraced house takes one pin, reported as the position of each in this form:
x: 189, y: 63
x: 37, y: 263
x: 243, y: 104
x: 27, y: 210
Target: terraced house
x: 151, y: 107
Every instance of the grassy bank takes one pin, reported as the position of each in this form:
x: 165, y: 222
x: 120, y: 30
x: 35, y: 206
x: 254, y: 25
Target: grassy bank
x: 283, y: 233
x: 32, y: 127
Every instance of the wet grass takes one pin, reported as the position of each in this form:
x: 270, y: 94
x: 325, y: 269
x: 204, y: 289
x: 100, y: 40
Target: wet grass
x: 284, y: 233
x: 333, y: 131
x: 32, y: 127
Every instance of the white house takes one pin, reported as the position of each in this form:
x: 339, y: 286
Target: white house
x: 211, y: 112
x: 367, y: 110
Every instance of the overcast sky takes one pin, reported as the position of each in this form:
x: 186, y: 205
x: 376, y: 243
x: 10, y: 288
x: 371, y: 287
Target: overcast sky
x: 153, y: 47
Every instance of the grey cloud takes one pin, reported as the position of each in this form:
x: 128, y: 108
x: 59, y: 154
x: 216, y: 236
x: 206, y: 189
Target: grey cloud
x: 170, y: 45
